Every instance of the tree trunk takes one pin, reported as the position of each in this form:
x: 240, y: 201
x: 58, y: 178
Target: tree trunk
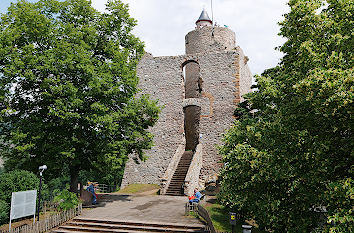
x: 74, y: 179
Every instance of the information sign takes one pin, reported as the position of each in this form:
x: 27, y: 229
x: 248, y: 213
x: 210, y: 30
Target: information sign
x: 23, y: 204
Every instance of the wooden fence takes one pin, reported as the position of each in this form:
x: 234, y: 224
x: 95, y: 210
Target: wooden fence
x: 48, y: 223
x: 104, y: 188
x: 202, y: 213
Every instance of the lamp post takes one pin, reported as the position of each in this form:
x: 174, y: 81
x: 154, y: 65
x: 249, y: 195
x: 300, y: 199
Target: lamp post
x: 41, y: 170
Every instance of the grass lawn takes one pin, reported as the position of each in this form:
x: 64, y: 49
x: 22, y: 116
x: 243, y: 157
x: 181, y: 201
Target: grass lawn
x: 220, y: 218
x: 139, y: 188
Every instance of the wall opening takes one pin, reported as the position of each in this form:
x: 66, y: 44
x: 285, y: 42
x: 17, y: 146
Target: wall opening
x: 193, y: 89
x: 191, y: 70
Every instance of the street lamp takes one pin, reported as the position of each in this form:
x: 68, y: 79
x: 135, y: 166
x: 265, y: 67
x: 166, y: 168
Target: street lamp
x: 41, y: 170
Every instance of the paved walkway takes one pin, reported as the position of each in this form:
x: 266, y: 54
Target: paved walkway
x: 147, y: 208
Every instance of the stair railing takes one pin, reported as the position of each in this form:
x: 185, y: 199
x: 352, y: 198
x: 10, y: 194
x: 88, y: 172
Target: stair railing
x: 192, y: 178
x: 201, y: 212
x: 166, y: 179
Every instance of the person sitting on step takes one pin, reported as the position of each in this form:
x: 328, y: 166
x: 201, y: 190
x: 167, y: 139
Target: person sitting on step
x: 196, y: 197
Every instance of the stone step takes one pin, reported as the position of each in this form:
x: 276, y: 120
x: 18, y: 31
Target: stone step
x: 174, y: 194
x: 179, y: 176
x: 175, y: 189
x: 175, y: 186
x: 103, y: 225
x: 180, y: 173
x: 76, y: 230
x: 135, y: 223
x: 177, y: 182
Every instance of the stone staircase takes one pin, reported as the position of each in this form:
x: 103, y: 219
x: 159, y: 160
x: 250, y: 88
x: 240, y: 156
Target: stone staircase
x: 95, y: 225
x: 175, y: 187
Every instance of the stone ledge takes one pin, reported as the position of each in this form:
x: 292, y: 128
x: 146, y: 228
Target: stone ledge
x: 192, y: 101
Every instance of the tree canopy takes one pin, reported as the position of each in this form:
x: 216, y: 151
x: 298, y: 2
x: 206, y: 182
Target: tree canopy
x: 289, y: 156
x: 68, y: 87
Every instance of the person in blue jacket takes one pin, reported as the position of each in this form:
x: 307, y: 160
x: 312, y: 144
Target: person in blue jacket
x: 197, y: 196
x: 91, y: 189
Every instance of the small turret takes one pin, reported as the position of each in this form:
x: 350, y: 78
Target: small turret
x: 204, y: 20
x: 208, y: 38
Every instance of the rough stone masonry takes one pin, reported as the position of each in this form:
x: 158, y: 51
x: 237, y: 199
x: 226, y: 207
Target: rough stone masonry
x: 221, y: 76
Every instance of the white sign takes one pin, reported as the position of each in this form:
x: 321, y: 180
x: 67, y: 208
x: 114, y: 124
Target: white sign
x: 23, y: 204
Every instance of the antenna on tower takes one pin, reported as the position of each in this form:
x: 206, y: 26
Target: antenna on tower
x: 212, y: 18
x: 212, y: 12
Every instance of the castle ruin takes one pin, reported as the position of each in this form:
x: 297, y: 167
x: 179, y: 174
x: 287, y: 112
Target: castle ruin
x: 199, y: 92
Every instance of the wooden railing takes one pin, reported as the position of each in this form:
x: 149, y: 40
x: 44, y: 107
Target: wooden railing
x: 105, y: 188
x: 48, y: 223
x: 202, y: 213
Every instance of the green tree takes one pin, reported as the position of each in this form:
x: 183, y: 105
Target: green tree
x: 68, y: 87
x: 289, y: 156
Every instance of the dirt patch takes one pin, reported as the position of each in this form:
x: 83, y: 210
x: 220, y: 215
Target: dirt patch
x: 150, y: 204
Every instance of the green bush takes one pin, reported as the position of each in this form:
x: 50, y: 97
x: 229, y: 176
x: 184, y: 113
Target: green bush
x: 66, y: 200
x: 4, y: 212
x: 55, y: 186
x: 14, y: 181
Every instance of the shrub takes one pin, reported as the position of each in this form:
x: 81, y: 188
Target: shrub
x: 66, y: 200
x: 14, y: 181
x: 4, y: 212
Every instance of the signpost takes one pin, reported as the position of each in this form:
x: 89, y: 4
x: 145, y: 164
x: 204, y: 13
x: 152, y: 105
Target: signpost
x: 23, y: 204
x: 233, y: 220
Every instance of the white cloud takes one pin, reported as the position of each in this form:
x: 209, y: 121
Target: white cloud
x: 163, y: 24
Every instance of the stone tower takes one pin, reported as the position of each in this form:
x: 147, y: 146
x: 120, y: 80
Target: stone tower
x: 199, y: 92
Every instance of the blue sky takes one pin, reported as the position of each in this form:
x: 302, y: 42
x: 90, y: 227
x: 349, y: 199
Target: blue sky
x: 4, y: 4
x: 163, y: 24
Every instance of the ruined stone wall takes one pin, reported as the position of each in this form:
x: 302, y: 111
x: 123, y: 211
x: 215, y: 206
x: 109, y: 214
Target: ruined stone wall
x: 223, y: 77
x: 218, y: 72
x: 162, y: 78
x: 246, y: 74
